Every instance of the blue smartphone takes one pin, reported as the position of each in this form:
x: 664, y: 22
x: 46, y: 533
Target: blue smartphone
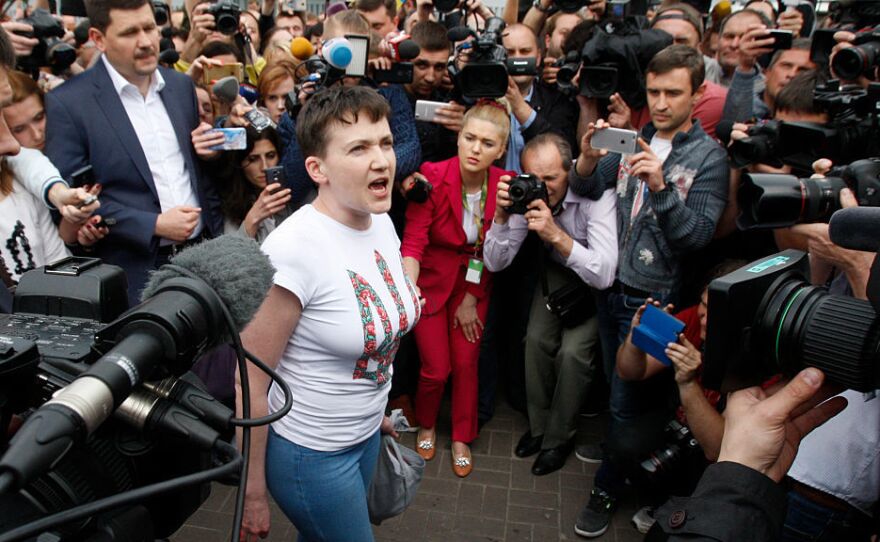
x: 656, y: 329
x: 235, y: 139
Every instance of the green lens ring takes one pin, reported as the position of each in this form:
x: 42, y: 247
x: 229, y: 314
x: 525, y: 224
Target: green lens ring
x: 782, y: 320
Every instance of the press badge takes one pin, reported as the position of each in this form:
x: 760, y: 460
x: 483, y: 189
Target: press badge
x: 474, y: 271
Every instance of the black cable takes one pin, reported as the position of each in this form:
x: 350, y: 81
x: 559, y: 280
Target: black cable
x: 128, y: 497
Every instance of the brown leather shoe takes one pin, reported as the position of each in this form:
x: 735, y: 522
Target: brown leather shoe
x: 462, y: 465
x: 427, y: 447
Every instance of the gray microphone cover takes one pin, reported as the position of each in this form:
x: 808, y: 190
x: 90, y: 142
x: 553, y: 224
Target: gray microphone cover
x: 226, y: 89
x: 856, y: 228
x: 232, y: 265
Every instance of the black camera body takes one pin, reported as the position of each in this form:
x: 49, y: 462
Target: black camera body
x: 767, y: 318
x: 51, y: 51
x: 614, y: 59
x: 400, y: 73
x: 486, y: 71
x: 681, y: 445
x: 226, y: 16
x: 523, y: 190
x: 50, y: 339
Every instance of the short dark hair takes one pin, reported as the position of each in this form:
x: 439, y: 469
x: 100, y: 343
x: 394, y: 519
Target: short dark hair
x: 799, y: 44
x: 98, y: 11
x: 554, y: 139
x: 679, y: 56
x: 7, y: 52
x: 373, y: 5
x: 797, y: 95
x: 430, y: 36
x: 217, y: 48
x: 335, y: 106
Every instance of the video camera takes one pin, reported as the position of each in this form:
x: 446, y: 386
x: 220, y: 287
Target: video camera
x: 66, y: 317
x: 767, y: 318
x: 485, y: 73
x: 613, y: 60
x: 51, y: 51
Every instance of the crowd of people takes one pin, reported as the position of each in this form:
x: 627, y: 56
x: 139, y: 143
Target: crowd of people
x: 494, y: 247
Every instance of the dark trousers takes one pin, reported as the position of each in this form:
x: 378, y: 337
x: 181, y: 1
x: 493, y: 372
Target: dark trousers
x: 809, y: 521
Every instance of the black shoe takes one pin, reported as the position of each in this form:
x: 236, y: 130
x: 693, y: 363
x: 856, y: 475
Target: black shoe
x: 528, y: 445
x: 551, y: 459
x: 594, y: 519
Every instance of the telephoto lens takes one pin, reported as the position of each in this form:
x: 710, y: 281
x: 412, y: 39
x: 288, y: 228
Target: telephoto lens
x: 852, y: 62
x: 768, y: 200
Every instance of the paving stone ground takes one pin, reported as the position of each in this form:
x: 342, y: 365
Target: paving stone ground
x: 500, y: 501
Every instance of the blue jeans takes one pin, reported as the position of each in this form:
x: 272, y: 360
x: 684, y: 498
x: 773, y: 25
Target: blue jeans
x: 806, y: 520
x: 324, y: 494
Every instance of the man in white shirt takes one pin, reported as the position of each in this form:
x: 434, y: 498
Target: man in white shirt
x: 132, y: 122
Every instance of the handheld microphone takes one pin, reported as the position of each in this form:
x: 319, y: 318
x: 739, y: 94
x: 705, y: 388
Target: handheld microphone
x: 180, y: 318
x: 856, y: 228
x: 399, y: 48
x: 338, y: 53
x: 301, y: 48
x: 459, y: 33
x: 226, y: 89
x: 169, y: 57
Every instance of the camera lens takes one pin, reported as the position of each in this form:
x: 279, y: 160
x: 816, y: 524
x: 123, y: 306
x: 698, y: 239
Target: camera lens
x: 852, y: 62
x: 516, y: 191
x: 598, y: 81
x: 779, y: 201
x: 803, y: 325
x: 227, y: 23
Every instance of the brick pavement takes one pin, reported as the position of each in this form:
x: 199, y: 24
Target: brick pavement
x: 500, y: 501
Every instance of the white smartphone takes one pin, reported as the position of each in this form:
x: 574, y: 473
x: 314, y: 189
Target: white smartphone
x: 360, y: 49
x: 426, y: 110
x: 616, y: 140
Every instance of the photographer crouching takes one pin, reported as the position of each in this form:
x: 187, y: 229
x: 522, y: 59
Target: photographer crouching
x: 579, y: 251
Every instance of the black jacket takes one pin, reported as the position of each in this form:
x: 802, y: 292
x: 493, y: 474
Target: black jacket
x: 732, y: 502
x: 556, y: 112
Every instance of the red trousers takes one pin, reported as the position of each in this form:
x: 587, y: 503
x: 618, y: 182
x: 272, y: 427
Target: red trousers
x: 442, y: 350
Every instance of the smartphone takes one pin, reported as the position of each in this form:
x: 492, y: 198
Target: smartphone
x: 360, y: 49
x: 294, y: 5
x: 215, y: 73
x: 616, y: 140
x: 106, y: 223
x: 259, y: 121
x: 235, y: 139
x: 84, y: 176
x: 782, y: 39
x: 426, y: 110
x: 274, y: 175
x: 401, y: 73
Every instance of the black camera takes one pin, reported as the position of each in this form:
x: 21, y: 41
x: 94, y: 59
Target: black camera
x: 160, y: 12
x: 420, y: 190
x: 780, y: 201
x: 767, y: 318
x: 524, y: 189
x: 51, y: 51
x: 400, y: 73
x: 49, y: 340
x: 680, y: 446
x: 570, y: 6
x: 614, y: 59
x: 860, y: 59
x: 226, y: 15
x: 486, y: 71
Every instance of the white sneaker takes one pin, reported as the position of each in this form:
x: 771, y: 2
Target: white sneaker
x: 643, y: 520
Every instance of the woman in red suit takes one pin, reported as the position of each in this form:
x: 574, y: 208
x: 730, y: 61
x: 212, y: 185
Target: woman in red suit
x: 442, y: 253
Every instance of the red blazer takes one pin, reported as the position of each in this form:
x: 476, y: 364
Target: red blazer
x: 435, y: 238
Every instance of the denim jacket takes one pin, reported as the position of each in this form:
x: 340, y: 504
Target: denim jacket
x: 678, y: 219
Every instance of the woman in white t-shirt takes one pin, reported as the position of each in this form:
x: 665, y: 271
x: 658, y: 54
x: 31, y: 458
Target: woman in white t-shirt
x: 330, y: 325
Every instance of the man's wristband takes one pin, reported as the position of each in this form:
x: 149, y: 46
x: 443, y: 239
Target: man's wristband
x: 537, y: 5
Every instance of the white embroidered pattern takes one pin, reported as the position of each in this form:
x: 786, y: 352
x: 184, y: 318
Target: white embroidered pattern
x: 646, y: 256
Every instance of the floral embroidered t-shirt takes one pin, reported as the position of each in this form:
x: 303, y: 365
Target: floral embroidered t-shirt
x: 357, y: 304
x: 28, y: 237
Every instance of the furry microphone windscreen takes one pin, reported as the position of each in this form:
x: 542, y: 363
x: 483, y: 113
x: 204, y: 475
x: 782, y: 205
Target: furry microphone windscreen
x: 230, y: 264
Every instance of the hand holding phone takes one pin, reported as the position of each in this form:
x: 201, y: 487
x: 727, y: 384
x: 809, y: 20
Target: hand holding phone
x: 616, y: 140
x: 235, y: 139
x: 426, y: 110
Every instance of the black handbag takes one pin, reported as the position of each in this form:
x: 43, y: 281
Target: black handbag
x: 573, y: 303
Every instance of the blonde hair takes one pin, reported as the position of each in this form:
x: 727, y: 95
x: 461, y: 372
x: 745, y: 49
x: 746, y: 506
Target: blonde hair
x: 493, y: 111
